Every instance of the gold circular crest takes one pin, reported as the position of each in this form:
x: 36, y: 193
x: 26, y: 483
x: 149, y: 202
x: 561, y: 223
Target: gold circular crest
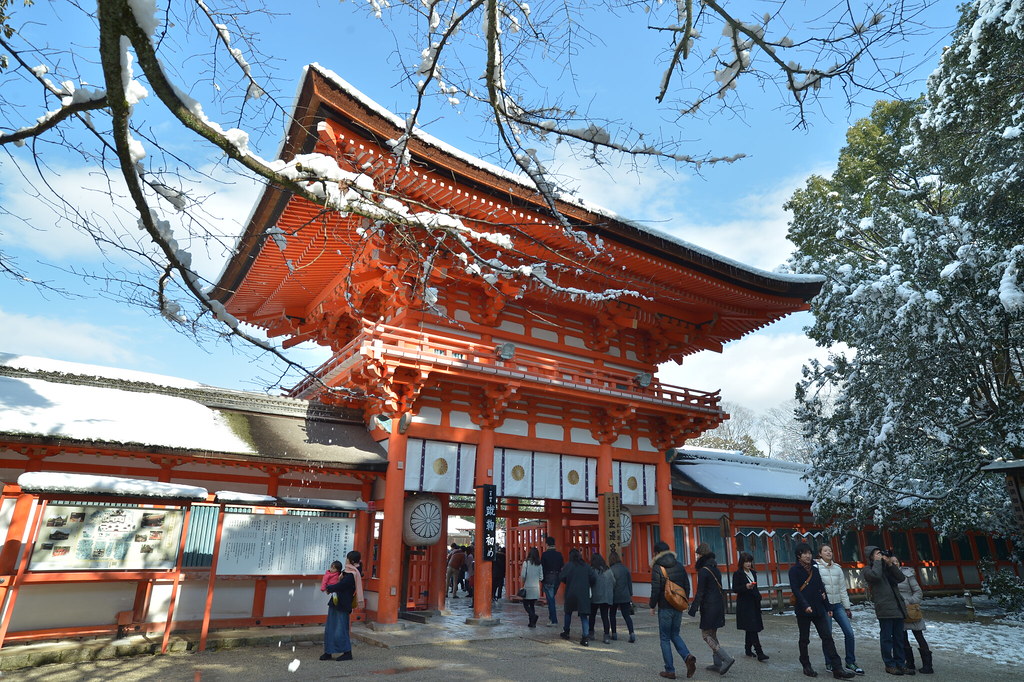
x: 440, y: 466
x: 631, y: 483
x: 573, y: 477
x: 518, y: 473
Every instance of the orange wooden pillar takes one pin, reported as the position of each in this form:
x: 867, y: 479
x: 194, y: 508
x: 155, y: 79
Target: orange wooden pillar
x: 556, y: 524
x: 390, y: 564
x: 438, y: 555
x: 604, y: 485
x: 666, y: 519
x: 482, y: 569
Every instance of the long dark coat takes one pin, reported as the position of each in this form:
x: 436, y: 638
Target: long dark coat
x: 709, y: 599
x: 578, y: 579
x: 882, y: 579
x: 345, y: 589
x: 748, y: 602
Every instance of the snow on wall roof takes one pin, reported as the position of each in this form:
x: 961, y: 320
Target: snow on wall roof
x: 524, y: 181
x: 54, y: 482
x: 57, y: 410
x: 730, y: 472
x: 34, y: 364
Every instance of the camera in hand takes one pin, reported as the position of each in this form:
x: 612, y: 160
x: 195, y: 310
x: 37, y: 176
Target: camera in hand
x: 888, y: 553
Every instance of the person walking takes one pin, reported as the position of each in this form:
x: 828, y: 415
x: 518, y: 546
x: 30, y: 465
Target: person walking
x: 622, y: 599
x: 552, y: 563
x: 470, y: 569
x: 883, y: 575
x: 578, y: 578
x: 839, y: 602
x: 498, y: 574
x: 912, y: 596
x: 602, y: 595
x: 453, y: 575
x: 665, y: 567
x: 346, y: 593
x: 748, y: 606
x: 709, y: 599
x: 811, y: 605
x: 532, y: 575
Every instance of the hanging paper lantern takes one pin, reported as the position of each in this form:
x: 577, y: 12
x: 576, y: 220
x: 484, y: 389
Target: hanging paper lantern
x: 626, y: 524
x: 423, y: 524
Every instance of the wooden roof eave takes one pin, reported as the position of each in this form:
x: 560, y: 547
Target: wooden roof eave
x: 320, y: 97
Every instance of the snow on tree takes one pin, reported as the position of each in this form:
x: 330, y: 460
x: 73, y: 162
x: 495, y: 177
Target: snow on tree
x: 122, y: 90
x: 920, y: 235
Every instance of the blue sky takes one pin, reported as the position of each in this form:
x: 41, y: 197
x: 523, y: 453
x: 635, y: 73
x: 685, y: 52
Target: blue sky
x: 732, y: 209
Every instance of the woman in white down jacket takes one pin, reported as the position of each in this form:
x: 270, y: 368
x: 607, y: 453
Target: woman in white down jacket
x: 835, y: 588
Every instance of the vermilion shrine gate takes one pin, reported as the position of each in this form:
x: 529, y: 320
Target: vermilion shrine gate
x: 543, y: 393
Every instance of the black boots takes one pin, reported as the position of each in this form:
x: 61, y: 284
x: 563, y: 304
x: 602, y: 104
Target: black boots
x: 761, y: 655
x: 926, y: 661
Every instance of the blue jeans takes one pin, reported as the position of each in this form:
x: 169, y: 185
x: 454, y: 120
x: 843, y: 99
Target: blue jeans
x: 839, y: 616
x: 549, y: 594
x: 336, y: 634
x: 890, y: 635
x: 584, y: 622
x: 669, y: 621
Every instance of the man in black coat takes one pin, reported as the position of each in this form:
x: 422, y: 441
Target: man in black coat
x: 551, y: 562
x: 812, y: 606
x: 664, y: 566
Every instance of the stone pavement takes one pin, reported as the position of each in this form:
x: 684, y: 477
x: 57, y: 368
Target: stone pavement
x: 448, y: 649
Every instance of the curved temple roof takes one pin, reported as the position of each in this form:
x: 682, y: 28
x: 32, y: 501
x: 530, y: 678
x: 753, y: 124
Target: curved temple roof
x: 670, y: 264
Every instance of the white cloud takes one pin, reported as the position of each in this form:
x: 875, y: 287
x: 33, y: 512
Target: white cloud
x: 759, y: 371
x: 51, y: 337
x: 41, y: 225
x: 752, y: 230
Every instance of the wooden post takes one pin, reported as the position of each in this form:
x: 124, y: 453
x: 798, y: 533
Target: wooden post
x: 481, y: 568
x: 390, y: 562
x: 177, y: 580
x: 666, y: 519
x: 26, y: 555
x: 604, y: 485
x: 213, y: 578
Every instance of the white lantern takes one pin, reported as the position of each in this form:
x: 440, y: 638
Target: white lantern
x: 422, y: 524
x: 626, y: 526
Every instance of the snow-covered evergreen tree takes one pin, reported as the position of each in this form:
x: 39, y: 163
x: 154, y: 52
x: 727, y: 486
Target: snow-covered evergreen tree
x: 920, y: 232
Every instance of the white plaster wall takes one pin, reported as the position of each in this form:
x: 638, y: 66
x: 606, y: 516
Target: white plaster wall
x: 514, y: 427
x: 59, y: 606
x: 231, y: 599
x: 461, y: 420
x: 545, y: 334
x: 552, y: 431
x: 295, y: 598
x: 583, y: 436
x: 428, y: 415
x: 513, y: 327
x: 643, y: 444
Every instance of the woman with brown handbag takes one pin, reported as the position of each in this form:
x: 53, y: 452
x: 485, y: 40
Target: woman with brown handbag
x: 914, y: 622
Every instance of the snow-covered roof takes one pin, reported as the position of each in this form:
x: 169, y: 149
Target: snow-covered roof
x: 84, y: 484
x: 90, y: 413
x: 731, y: 473
x: 525, y: 182
x: 54, y: 402
x: 34, y: 364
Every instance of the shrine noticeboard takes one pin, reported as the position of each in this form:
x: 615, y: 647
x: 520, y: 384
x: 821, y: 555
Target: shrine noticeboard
x: 272, y: 544
x: 74, y: 537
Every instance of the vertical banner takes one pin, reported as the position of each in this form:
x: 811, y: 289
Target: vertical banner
x: 490, y: 521
x: 613, y: 527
